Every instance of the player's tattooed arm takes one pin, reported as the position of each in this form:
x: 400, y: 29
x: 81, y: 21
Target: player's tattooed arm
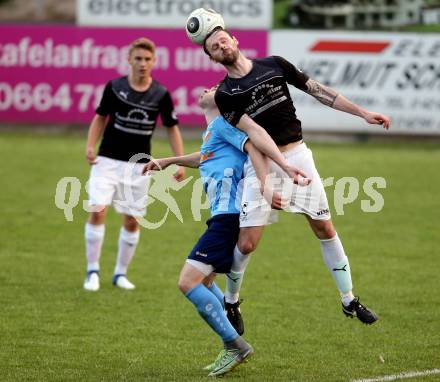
x: 322, y: 93
x: 331, y: 98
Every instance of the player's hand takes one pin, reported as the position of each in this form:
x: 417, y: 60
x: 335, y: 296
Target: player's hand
x: 378, y: 119
x: 274, y: 198
x: 156, y: 165
x: 90, y: 156
x: 278, y: 202
x: 180, y: 173
x: 298, y: 176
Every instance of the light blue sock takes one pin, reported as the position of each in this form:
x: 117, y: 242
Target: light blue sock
x: 212, y: 312
x: 217, y: 292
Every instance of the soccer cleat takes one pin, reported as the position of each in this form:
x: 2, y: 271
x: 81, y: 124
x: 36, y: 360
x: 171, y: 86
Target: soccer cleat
x: 229, y: 359
x: 211, y: 366
x: 122, y: 282
x: 91, y: 282
x: 234, y: 316
x: 356, y: 309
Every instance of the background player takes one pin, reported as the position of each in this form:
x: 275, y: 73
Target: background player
x: 125, y: 119
x: 264, y: 96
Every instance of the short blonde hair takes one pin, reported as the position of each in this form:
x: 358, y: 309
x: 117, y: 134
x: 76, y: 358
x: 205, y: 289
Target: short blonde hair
x: 142, y: 43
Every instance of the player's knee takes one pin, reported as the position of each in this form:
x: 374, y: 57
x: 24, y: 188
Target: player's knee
x: 247, y: 246
x: 329, y: 231
x: 97, y: 218
x: 183, y: 286
x: 326, y: 231
x: 130, y: 223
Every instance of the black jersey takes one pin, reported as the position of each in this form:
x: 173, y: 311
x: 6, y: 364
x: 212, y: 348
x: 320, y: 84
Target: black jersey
x: 132, y: 118
x: 263, y: 94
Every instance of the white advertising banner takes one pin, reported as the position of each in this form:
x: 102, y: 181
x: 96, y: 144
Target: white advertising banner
x: 393, y: 73
x: 238, y: 14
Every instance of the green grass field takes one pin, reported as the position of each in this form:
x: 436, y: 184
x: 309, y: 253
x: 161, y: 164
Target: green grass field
x: 52, y: 330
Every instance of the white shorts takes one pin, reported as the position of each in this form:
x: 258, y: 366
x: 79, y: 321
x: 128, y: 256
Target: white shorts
x: 119, y: 182
x: 310, y: 200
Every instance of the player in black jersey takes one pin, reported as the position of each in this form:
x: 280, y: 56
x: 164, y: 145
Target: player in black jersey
x: 125, y: 119
x: 258, y: 89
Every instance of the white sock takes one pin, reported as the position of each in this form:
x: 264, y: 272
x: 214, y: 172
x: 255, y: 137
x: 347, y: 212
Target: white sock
x: 346, y: 298
x: 127, y: 246
x: 240, y: 261
x: 234, y: 279
x: 94, y: 236
x: 338, y: 265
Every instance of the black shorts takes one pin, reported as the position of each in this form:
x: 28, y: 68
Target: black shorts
x: 216, y: 246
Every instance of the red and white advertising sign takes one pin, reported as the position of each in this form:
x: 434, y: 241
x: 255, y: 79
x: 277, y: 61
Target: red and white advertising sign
x: 57, y: 73
x: 391, y: 73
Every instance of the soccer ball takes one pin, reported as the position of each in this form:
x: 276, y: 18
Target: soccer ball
x: 201, y: 22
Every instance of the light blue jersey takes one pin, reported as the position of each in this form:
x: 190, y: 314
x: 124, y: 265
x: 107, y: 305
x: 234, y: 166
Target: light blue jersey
x: 221, y: 166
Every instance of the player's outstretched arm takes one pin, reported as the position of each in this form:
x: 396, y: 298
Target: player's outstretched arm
x: 176, y: 144
x: 261, y: 166
x: 330, y: 97
x: 263, y: 142
x: 96, y: 128
x: 190, y: 160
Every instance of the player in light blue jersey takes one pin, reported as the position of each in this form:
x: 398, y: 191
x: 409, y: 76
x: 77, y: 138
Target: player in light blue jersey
x: 221, y: 160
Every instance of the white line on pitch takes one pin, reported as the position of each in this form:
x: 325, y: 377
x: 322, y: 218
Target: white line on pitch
x: 395, y: 377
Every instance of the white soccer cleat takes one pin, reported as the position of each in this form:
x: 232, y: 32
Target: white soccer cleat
x: 92, y: 281
x: 122, y: 282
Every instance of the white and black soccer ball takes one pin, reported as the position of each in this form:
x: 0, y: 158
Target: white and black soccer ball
x: 201, y: 22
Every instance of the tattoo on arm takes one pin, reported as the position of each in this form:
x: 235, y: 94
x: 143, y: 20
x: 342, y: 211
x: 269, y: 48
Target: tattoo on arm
x: 323, y: 94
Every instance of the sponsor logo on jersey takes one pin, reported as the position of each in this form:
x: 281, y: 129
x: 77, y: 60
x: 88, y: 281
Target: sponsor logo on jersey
x: 229, y: 116
x: 265, y: 74
x: 206, y: 155
x: 323, y: 212
x: 138, y: 115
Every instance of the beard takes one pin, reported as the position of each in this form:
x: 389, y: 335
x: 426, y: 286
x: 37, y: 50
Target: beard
x: 230, y: 59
